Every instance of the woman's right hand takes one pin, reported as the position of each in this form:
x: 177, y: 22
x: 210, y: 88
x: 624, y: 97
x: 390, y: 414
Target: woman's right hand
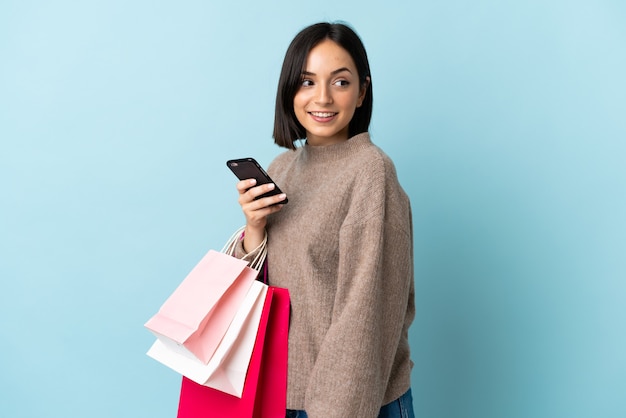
x: 256, y: 211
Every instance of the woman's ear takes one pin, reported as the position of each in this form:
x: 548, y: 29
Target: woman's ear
x: 364, y: 88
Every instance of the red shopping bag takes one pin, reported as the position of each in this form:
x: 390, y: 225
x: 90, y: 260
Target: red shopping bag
x: 265, y: 390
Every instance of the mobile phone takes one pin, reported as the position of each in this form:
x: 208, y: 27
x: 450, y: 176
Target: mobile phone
x: 249, y: 168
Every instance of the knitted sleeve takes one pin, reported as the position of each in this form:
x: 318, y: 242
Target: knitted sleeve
x: 240, y: 251
x: 372, y: 302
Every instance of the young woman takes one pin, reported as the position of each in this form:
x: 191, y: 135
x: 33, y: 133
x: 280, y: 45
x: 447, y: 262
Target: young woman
x: 343, y: 244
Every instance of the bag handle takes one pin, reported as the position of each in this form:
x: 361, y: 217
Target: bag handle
x: 261, y: 250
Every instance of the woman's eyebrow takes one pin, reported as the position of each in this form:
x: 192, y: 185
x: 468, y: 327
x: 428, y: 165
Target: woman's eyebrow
x: 335, y: 72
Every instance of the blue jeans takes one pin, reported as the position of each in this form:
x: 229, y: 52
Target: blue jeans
x: 400, y: 408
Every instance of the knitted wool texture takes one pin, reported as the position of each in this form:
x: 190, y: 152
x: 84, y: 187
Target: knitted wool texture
x: 343, y: 247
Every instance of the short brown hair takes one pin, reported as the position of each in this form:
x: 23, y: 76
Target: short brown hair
x: 287, y: 128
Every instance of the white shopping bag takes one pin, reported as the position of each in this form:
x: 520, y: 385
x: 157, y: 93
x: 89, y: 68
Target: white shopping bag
x: 227, y: 368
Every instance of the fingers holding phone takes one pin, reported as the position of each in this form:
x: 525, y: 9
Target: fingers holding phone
x: 261, y: 196
x: 258, y: 194
x: 248, y: 168
x: 256, y: 210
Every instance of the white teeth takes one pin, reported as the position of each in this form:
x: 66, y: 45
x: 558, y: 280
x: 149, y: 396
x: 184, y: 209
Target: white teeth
x: 323, y: 114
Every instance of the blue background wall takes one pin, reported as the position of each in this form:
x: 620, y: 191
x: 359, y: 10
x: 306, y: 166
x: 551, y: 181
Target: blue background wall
x: 506, y: 123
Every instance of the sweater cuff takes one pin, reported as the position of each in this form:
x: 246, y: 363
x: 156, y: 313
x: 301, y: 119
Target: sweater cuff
x: 241, y: 253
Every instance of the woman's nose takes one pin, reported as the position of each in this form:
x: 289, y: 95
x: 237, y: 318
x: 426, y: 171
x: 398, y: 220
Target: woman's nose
x: 324, y: 95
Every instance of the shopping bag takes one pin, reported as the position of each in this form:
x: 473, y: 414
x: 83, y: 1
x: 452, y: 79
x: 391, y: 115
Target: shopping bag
x: 226, y: 371
x: 212, y: 292
x: 265, y: 390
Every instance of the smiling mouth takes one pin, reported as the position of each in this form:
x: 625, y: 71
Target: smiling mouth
x: 323, y: 114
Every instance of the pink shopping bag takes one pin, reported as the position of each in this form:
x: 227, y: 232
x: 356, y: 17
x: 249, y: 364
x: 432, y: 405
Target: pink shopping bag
x: 265, y: 390
x: 226, y: 371
x: 213, y: 291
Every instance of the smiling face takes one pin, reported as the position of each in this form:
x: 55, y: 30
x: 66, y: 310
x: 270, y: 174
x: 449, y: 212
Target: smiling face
x: 329, y: 94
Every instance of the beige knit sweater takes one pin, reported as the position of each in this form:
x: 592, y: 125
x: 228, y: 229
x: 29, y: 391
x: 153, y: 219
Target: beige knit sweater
x: 343, y: 248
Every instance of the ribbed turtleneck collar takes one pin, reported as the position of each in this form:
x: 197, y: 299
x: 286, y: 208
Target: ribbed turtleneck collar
x: 338, y: 151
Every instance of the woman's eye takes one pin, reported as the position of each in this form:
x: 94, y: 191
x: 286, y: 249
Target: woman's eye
x: 342, y: 83
x: 307, y: 83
